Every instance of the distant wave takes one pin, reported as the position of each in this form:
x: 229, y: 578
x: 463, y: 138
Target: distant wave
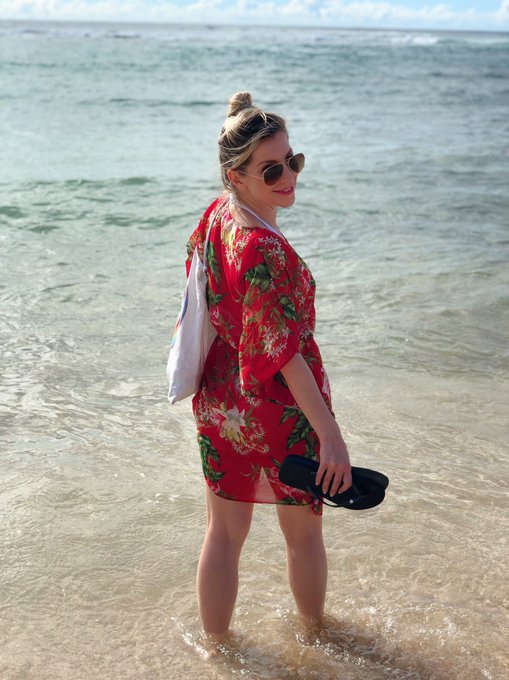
x: 126, y: 35
x: 136, y: 181
x: 419, y: 40
x: 155, y: 103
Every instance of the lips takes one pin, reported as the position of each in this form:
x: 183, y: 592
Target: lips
x: 285, y: 192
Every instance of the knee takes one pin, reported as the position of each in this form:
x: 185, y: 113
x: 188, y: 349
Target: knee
x: 300, y: 539
x: 228, y: 537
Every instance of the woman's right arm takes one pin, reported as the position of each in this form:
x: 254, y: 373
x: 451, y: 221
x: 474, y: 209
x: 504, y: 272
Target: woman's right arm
x: 334, y: 472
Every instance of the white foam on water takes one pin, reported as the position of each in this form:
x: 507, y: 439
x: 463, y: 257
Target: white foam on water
x: 415, y: 39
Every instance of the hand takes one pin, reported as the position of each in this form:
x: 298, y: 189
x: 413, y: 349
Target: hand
x: 335, y: 472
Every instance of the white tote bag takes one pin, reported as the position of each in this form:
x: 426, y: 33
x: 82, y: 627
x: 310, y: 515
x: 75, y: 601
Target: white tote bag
x: 194, y: 332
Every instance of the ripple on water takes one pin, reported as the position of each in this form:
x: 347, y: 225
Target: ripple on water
x: 13, y: 212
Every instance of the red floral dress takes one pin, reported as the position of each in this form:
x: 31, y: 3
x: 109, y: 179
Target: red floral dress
x: 261, y: 301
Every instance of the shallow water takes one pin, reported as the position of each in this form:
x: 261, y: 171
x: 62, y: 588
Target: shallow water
x: 108, y: 159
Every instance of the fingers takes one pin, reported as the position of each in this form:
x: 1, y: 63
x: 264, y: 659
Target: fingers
x: 334, y: 478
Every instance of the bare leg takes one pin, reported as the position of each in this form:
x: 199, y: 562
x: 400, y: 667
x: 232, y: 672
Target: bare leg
x: 306, y: 559
x: 228, y: 524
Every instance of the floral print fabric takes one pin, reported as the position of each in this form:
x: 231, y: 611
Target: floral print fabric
x: 261, y: 302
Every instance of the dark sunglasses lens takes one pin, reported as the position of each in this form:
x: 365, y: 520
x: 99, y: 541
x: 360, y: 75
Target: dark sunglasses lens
x: 296, y: 162
x: 273, y: 174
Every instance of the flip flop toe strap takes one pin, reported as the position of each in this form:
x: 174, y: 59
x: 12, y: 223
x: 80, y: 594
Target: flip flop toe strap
x: 320, y: 498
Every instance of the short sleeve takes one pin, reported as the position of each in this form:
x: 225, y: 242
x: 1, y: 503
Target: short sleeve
x: 270, y: 332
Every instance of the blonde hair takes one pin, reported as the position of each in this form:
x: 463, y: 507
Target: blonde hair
x: 243, y: 130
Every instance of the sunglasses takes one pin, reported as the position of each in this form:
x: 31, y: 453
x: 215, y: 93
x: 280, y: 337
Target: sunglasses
x: 273, y: 174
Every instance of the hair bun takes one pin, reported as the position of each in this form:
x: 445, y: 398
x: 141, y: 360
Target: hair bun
x: 239, y: 102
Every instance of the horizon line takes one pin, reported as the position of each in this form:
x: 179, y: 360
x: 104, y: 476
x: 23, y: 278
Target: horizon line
x: 250, y: 24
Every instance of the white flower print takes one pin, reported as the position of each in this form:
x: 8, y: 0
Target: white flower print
x: 233, y: 421
x: 273, y: 344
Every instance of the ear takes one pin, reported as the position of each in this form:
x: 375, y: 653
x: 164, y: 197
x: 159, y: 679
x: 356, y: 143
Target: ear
x: 235, y: 177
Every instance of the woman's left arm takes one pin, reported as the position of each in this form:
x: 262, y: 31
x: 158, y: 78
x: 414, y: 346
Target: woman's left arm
x: 335, y: 472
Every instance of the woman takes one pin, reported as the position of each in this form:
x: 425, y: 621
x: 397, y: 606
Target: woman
x: 264, y: 392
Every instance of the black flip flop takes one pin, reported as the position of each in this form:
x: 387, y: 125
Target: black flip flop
x: 367, y: 490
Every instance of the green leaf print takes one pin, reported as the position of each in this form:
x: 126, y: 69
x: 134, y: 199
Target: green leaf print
x: 289, y: 412
x: 228, y: 496
x: 256, y: 318
x: 207, y: 452
x: 206, y: 448
x: 255, y: 472
x: 288, y: 308
x: 289, y: 501
x: 301, y: 431
x: 226, y: 326
x: 279, y: 379
x: 212, y: 263
x: 213, y: 299
x: 190, y: 246
x: 253, y: 383
x: 259, y: 276
x: 311, y: 445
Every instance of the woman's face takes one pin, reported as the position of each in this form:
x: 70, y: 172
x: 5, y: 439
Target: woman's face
x: 249, y: 182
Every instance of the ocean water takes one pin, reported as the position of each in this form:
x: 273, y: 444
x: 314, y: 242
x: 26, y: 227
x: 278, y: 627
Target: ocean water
x: 107, y: 160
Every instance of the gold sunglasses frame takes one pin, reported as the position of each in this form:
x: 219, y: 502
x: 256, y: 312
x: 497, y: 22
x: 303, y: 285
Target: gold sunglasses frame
x: 282, y: 164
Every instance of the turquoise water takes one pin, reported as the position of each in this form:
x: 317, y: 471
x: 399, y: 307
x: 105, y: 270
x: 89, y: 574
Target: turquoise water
x: 108, y: 157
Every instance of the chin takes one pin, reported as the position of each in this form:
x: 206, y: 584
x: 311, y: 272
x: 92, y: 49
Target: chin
x: 286, y: 201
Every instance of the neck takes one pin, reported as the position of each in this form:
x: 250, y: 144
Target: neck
x: 267, y: 212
